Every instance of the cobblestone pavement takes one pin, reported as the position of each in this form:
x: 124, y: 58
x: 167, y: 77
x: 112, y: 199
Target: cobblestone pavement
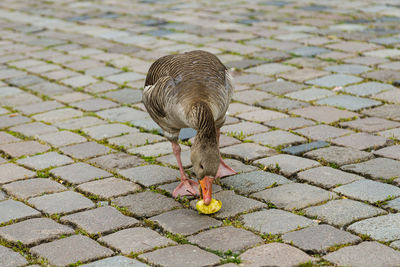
x: 313, y: 130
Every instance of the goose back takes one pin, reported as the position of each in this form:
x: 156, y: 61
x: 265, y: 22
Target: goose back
x: 177, y: 83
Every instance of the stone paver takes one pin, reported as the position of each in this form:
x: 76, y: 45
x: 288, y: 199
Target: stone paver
x: 34, y: 231
x: 33, y: 187
x: 63, y: 202
x: 300, y: 149
x: 150, y: 174
x: 120, y: 261
x: 339, y: 155
x: 146, y: 204
x: 274, y: 254
x: 44, y: 161
x: 33, y: 129
x: 368, y: 190
x: 26, y: 148
x: 324, y: 114
x: 134, y: 240
x: 392, y: 152
x: 335, y: 80
x: 70, y: 250
x: 184, y: 222
x: 10, y: 172
x: 117, y: 161
x: 85, y: 150
x: 379, y: 168
x: 109, y: 187
x: 322, y: 132
x: 371, y: 124
x: 15, y: 210
x: 10, y: 258
x: 366, y: 254
x: 294, y: 196
x: 78, y: 173
x: 352, y: 103
x: 182, y: 255
x: 319, y: 238
x: 327, y: 177
x: 314, y: 84
x: 226, y: 238
x: 246, y: 183
x: 276, y: 138
x: 101, y: 220
x: 361, y: 141
x: 287, y: 164
x: 383, y: 228
x: 62, y: 138
x: 274, y: 221
x: 343, y: 211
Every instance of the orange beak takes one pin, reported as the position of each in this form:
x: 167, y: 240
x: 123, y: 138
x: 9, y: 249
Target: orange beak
x: 206, y: 188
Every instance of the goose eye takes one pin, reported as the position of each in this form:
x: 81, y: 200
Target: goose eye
x: 201, y: 166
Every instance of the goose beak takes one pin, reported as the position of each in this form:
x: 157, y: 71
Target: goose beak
x: 206, y: 189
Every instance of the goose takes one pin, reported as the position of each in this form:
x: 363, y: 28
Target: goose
x: 191, y: 89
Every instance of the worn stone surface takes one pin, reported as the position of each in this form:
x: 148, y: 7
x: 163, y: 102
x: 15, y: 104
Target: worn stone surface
x: 287, y: 164
x: 367, y: 254
x: 10, y: 258
x: 70, y: 250
x: 120, y: 261
x: 26, y: 148
x: 78, y: 173
x: 85, y: 150
x: 100, y: 220
x: 150, y: 174
x: 15, y: 210
x: 392, y: 152
x: 182, y: 255
x: 327, y: 177
x: 339, y: 155
x: 109, y: 187
x: 226, y: 238
x: 294, y: 196
x: 33, y: 187
x: 368, y: 190
x: 136, y: 240
x: 343, y: 211
x: 117, y: 161
x: 276, y: 138
x: 300, y: 149
x: 322, y: 132
x: 383, y: 228
x: 379, y: 168
x: 63, y: 202
x: 361, y: 141
x: 274, y: 254
x: 34, y: 231
x: 184, y: 221
x: 274, y: 221
x: 10, y: 172
x: 324, y: 114
x: 146, y: 204
x: 246, y: 183
x: 319, y: 238
x: 61, y: 138
x: 44, y: 161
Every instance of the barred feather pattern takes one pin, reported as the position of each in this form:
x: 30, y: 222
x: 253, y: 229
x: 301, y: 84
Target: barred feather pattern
x: 187, y: 90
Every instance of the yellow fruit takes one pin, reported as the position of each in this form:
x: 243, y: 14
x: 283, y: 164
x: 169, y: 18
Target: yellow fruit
x: 213, y: 207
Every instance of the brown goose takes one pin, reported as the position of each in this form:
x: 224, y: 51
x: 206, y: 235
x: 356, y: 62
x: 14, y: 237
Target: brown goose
x: 192, y: 89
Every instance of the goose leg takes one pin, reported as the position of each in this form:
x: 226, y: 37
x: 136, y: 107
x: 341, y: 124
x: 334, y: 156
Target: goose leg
x: 187, y: 187
x: 223, y: 169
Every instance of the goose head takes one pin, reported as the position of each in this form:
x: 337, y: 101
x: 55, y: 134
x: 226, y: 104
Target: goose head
x: 205, y: 159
